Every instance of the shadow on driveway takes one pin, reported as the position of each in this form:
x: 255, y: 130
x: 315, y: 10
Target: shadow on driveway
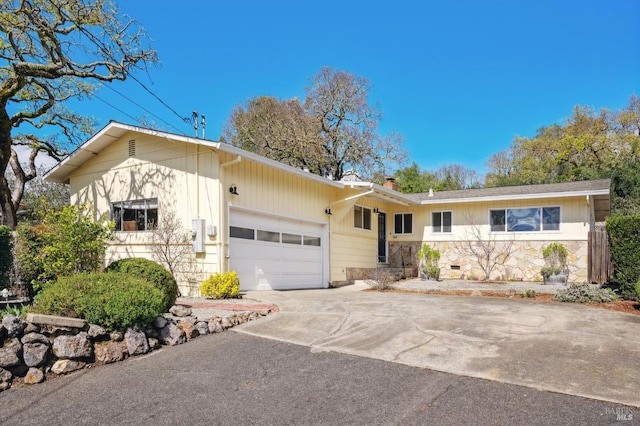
x: 567, y: 348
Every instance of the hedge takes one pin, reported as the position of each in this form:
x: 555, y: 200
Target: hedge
x: 624, y: 241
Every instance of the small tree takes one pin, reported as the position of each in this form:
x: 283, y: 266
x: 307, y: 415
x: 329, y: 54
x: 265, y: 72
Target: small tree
x: 67, y: 242
x: 487, y: 250
x: 171, y: 247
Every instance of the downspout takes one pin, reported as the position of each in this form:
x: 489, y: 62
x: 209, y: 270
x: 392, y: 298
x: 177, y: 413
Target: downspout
x: 198, y: 181
x: 222, y: 232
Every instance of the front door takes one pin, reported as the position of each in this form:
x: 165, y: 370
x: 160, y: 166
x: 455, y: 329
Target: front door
x: 382, y: 237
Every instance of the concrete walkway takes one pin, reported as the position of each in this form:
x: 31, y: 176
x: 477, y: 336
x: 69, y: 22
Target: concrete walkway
x: 567, y: 348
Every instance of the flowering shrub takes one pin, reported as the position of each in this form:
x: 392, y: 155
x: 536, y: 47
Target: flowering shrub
x: 221, y: 286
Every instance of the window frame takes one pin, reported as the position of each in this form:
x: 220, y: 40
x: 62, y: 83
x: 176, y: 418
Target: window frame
x: 363, y: 217
x: 403, y: 224
x: 540, y: 224
x: 442, y: 213
x: 148, y: 205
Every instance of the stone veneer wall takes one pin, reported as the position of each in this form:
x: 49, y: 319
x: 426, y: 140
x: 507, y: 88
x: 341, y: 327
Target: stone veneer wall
x: 524, y: 263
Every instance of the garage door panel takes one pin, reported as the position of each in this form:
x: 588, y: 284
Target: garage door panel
x: 303, y: 268
x: 268, y: 261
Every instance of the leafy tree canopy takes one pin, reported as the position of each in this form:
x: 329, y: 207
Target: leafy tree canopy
x: 589, y: 145
x: 332, y: 133
x: 449, y: 177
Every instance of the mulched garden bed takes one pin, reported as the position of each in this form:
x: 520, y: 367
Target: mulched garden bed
x: 626, y: 306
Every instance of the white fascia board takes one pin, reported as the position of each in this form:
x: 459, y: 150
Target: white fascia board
x: 230, y: 149
x: 516, y: 197
x: 385, y: 193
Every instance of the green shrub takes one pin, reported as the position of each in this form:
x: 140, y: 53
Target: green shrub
x: 585, y: 293
x: 152, y: 272
x: 20, y: 311
x: 555, y: 256
x: 429, y: 258
x: 29, y: 254
x: 6, y: 255
x: 624, y: 240
x: 67, y: 242
x: 528, y: 294
x: 221, y: 286
x: 113, y: 300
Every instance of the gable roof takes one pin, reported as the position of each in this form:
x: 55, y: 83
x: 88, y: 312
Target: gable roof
x: 115, y: 130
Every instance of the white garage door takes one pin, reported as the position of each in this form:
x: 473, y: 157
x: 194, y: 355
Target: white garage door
x: 276, y: 253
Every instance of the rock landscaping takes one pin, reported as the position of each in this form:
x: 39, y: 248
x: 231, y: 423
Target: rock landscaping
x: 46, y: 346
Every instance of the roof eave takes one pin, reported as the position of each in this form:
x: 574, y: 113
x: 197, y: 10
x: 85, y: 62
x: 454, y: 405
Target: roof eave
x: 383, y: 193
x: 516, y: 197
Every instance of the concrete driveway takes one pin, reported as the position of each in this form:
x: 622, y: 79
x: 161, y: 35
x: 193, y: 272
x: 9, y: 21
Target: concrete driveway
x: 567, y: 348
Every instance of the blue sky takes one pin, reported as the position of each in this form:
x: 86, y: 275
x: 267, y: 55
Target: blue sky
x: 458, y: 79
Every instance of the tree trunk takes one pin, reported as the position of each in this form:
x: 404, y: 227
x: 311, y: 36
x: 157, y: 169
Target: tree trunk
x: 8, y: 210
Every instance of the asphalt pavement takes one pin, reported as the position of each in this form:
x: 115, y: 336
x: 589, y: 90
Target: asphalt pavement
x: 559, y: 347
x: 237, y: 379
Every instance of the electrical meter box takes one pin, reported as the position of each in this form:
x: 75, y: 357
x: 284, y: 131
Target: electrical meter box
x: 198, y: 235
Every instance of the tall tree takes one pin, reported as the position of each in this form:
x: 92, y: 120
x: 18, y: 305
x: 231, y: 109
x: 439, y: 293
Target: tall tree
x: 276, y: 129
x: 588, y: 145
x: 40, y: 197
x: 52, y: 51
x: 334, y: 132
x: 412, y: 180
x: 339, y: 102
x: 456, y: 176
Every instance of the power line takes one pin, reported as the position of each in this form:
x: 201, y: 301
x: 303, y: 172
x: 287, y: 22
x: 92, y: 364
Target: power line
x: 185, y: 119
x: 115, y: 107
x: 143, y: 108
x: 105, y: 51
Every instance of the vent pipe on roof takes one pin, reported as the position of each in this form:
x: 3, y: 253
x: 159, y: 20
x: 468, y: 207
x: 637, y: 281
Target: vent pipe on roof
x: 430, y: 192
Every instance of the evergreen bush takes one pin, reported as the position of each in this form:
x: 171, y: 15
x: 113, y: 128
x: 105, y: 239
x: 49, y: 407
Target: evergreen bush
x: 624, y: 240
x: 221, y: 286
x: 152, y: 272
x: 113, y: 300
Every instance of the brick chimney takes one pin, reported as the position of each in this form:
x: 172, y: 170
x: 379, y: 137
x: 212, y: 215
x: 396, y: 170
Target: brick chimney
x: 391, y: 183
